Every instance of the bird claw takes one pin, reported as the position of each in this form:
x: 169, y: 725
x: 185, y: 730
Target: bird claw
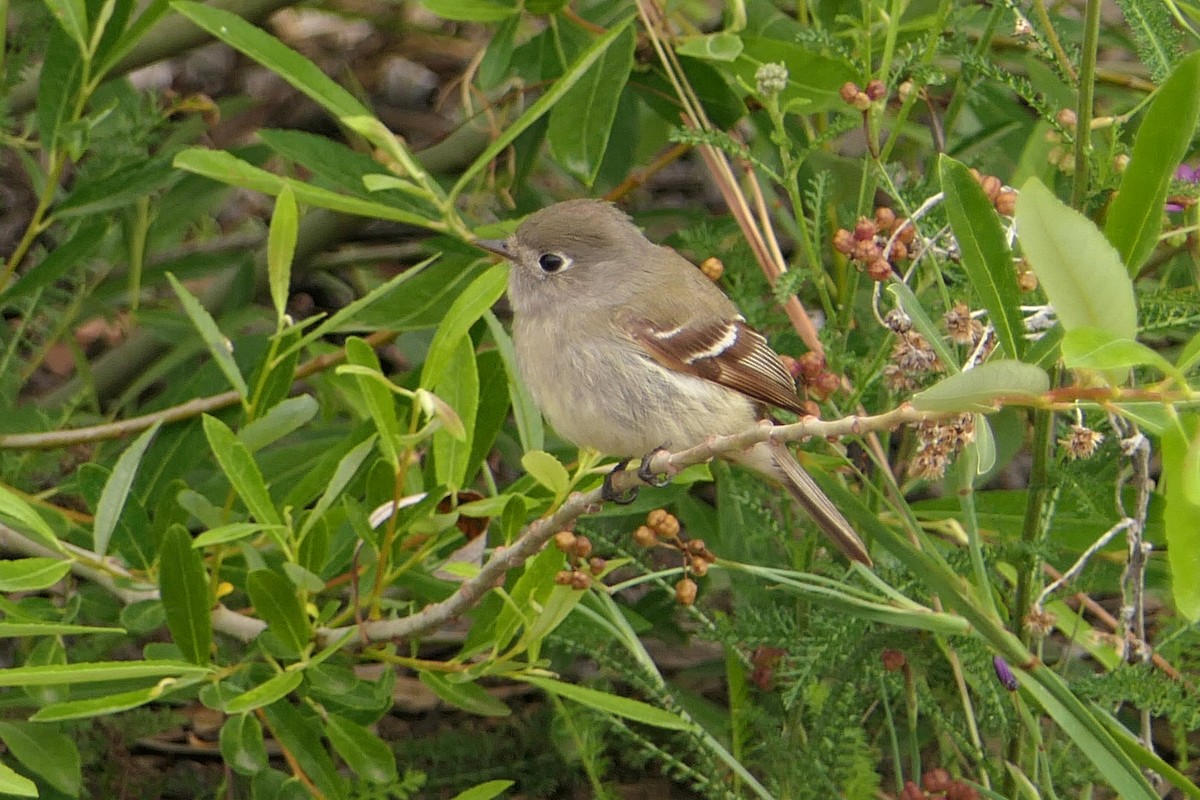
x: 657, y: 479
x: 609, y: 493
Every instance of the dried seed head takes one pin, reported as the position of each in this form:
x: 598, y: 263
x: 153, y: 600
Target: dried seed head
x: 961, y: 326
x: 897, y: 321
x: 1026, y: 280
x: 1040, y: 622
x: 1081, y: 442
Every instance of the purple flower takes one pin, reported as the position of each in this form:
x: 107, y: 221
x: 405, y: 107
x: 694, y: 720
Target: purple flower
x: 1004, y: 673
x: 1183, y: 174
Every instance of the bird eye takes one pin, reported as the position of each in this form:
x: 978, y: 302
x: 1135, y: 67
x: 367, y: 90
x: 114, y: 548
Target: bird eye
x: 553, y: 262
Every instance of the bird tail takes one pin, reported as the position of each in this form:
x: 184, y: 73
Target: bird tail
x: 818, y: 506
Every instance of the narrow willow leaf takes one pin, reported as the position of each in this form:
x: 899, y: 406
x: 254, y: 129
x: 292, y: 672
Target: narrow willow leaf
x: 72, y: 16
x: 378, y: 398
x: 548, y: 471
x: 467, y: 695
x: 982, y: 388
x: 109, y: 704
x: 1135, y: 218
x: 183, y: 585
x: 274, y: 55
x: 483, y: 791
x: 581, y: 122
x: 234, y: 532
x: 364, y: 752
x: 1180, y: 515
x: 1087, y: 733
x: 922, y: 323
x: 346, y: 469
x: 219, y: 347
x: 283, y: 418
x: 1079, y: 270
x: 95, y: 672
x: 241, y: 470
x: 12, y: 630
x: 299, y: 734
x: 269, y: 691
x: 52, y: 755
x: 15, y: 510
x: 59, y: 84
x: 616, y: 705
x: 31, y: 574
x: 229, y: 169
x: 543, y: 104
x: 985, y: 253
x: 458, y: 385
x: 281, y: 248
x: 530, y: 429
x: 242, y: 744
x: 473, y: 10
x: 276, y: 602
x: 466, y: 310
x: 63, y: 259
x: 116, y: 490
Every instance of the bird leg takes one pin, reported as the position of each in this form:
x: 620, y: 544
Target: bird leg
x: 608, y: 492
x: 653, y: 478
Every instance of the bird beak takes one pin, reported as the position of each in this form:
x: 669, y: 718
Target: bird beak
x: 497, y: 246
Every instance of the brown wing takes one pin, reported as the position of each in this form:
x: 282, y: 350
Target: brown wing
x: 728, y: 352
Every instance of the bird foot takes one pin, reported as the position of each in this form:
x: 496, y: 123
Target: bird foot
x: 609, y: 493
x: 657, y: 479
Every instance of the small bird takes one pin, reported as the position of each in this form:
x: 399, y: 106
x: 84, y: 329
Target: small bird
x: 628, y: 348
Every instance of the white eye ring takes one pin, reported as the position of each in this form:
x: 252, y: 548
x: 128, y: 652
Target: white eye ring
x: 554, y: 262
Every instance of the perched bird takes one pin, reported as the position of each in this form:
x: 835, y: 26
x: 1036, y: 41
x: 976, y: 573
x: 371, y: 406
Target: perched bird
x: 627, y: 348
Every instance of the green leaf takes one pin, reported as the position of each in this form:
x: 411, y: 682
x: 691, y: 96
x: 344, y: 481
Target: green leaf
x: 183, y: 585
x: 473, y: 10
x: 483, y: 791
x: 346, y: 469
x: 548, y: 471
x: 364, y: 752
x: 582, y: 121
x: 298, y: 734
x: 1135, y: 217
x: 50, y: 754
x: 109, y: 704
x: 379, y: 401
x: 241, y: 470
x: 467, y: 695
x: 95, y: 672
x: 219, y: 347
x: 59, y: 79
x: 116, y: 490
x: 723, y: 46
x: 466, y: 310
x: 543, y: 104
x: 458, y: 385
x: 72, y: 16
x: 122, y: 188
x: 274, y: 55
x: 276, y: 602
x: 11, y: 630
x: 1079, y: 270
x: 11, y: 782
x: 283, y: 418
x: 1088, y: 734
x: 813, y: 78
x: 616, y: 705
x: 1182, y: 486
x: 528, y: 418
x: 61, y: 260
x: 31, y: 574
x: 922, y: 323
x: 17, y: 511
x: 985, y: 254
x: 1091, y: 348
x: 983, y: 388
x: 234, y: 532
x: 242, y: 744
x: 281, y: 248
x: 229, y: 169
x: 269, y: 691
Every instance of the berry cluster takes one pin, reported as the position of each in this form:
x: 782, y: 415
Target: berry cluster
x: 812, y: 375
x: 861, y: 98
x: 1004, y: 199
x: 662, y: 528
x: 876, y: 244
x: 937, y: 783
x: 579, y: 551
